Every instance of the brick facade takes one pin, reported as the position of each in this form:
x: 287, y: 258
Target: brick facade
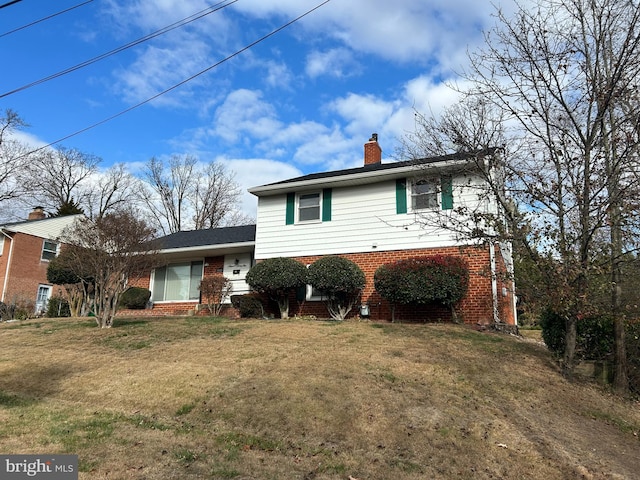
x: 26, y: 271
x: 475, y: 308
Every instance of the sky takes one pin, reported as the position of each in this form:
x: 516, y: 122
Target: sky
x: 303, y: 100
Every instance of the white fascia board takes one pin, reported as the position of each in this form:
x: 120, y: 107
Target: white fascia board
x: 206, y: 248
x: 353, y: 178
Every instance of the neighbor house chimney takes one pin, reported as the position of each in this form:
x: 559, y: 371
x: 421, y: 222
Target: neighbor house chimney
x: 372, y: 151
x: 37, y: 214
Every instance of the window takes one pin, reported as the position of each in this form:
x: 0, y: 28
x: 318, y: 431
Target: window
x: 177, y: 282
x: 424, y: 194
x: 309, y: 207
x: 49, y: 250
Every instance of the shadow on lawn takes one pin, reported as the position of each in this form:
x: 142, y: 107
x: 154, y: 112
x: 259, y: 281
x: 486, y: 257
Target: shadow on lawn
x: 27, y: 384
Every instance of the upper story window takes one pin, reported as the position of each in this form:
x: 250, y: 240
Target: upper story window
x: 309, y: 207
x: 49, y: 250
x: 424, y: 194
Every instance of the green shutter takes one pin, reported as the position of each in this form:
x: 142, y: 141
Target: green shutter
x: 291, y: 209
x: 401, y: 195
x: 446, y: 186
x: 326, y: 205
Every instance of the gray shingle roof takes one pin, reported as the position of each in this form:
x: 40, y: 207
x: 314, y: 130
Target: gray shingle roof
x: 210, y: 236
x: 377, y: 167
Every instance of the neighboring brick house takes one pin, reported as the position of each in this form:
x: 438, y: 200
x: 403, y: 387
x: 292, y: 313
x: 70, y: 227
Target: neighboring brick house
x: 371, y: 215
x: 25, y: 250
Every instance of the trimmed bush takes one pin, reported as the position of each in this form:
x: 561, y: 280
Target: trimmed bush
x: 135, y: 298
x: 442, y: 279
x: 278, y: 278
x: 341, y: 282
x: 249, y: 305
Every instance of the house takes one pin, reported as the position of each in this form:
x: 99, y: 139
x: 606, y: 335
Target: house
x: 25, y: 251
x: 373, y: 214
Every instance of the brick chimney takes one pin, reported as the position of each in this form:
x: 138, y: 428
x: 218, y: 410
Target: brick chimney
x: 372, y: 151
x: 37, y: 214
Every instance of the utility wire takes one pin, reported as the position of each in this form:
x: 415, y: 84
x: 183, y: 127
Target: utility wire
x: 43, y: 19
x: 8, y: 4
x: 173, y: 26
x: 133, y: 107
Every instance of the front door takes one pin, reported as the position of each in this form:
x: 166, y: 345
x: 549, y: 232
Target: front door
x: 44, y: 294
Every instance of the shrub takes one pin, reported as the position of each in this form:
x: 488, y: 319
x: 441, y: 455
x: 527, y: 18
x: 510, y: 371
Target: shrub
x: 58, y: 307
x: 595, y: 341
x: 249, y: 305
x: 440, y: 279
x: 135, y: 298
x: 278, y: 278
x: 214, y: 290
x: 594, y: 335
x: 6, y: 311
x: 341, y: 282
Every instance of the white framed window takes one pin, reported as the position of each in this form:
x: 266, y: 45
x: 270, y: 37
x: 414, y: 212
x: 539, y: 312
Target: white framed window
x: 309, y: 207
x: 177, y: 282
x: 424, y: 194
x: 49, y: 250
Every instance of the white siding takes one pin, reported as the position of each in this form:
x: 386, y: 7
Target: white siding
x: 363, y: 219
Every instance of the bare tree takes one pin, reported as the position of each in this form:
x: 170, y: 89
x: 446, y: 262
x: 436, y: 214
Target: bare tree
x: 188, y: 195
x: 109, y: 250
x: 561, y: 80
x: 109, y: 191
x: 58, y: 177
x: 13, y: 157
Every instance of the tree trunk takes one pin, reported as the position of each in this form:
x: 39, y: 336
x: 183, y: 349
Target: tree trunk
x: 571, y: 336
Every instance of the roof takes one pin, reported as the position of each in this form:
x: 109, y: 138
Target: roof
x: 209, y: 237
x: 367, y: 173
x: 50, y: 228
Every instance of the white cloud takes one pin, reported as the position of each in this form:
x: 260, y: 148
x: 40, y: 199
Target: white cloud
x: 245, y: 113
x: 252, y: 172
x: 336, y: 62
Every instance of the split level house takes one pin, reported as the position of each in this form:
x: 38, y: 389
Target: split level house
x: 25, y: 251
x: 372, y: 215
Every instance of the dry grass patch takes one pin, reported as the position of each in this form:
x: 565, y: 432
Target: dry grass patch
x: 213, y: 398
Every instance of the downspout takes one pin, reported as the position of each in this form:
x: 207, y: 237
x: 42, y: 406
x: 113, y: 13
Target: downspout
x: 9, y: 259
x: 494, y: 282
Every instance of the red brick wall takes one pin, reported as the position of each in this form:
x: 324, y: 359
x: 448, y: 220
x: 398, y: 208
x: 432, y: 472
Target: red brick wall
x: 26, y: 270
x: 476, y: 306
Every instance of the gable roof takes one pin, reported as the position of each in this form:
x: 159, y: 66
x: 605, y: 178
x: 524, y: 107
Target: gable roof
x: 224, y: 236
x: 368, y: 173
x: 49, y: 228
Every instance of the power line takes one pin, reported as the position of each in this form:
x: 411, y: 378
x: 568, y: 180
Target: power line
x: 43, y: 19
x: 202, y: 13
x: 211, y: 67
x: 8, y: 4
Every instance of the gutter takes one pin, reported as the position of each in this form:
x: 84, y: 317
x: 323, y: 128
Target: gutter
x: 494, y: 282
x: 222, y: 246
x: 9, y: 261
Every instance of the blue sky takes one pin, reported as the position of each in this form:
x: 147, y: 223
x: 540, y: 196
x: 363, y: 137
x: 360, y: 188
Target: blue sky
x: 304, y: 100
